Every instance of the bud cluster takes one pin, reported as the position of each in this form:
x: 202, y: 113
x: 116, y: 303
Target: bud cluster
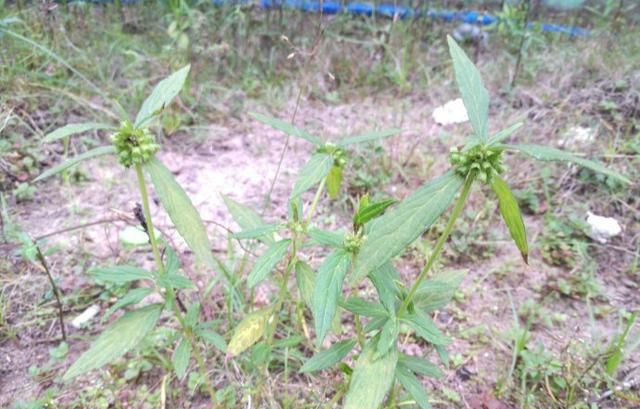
x: 353, y: 242
x: 484, y: 161
x: 339, y: 155
x: 134, y: 145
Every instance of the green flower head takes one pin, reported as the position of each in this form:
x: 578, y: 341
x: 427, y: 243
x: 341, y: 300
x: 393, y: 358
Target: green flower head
x: 134, y: 145
x: 484, y: 161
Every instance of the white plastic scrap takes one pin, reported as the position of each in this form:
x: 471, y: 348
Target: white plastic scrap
x: 453, y: 112
x: 85, y: 316
x: 603, y: 228
x: 577, y: 135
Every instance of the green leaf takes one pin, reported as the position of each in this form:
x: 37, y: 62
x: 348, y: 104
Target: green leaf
x: 384, y: 280
x: 72, y: 129
x: 132, y: 297
x: 93, y: 153
x: 511, y: 215
x: 326, y: 238
x: 388, y: 336
x: 287, y: 128
x: 334, y: 180
x: 266, y: 262
x: 546, y: 153
x: 246, y: 218
x: 125, y: 334
x: 371, y: 211
x: 375, y: 324
x: 474, y: 95
x: 306, y: 280
x: 177, y: 281
x: 213, y: 338
x: 328, y: 290
x: 368, y: 137
x: 161, y: 96
x: 426, y: 328
x: 181, y: 211
x: 248, y: 331
x: 365, y: 308
x: 437, y: 291
x: 505, y: 133
x: 120, y: 274
x: 312, y: 173
x: 371, y: 380
x: 412, y: 385
x: 397, y: 228
x: 329, y: 357
x: 420, y: 366
x: 181, y: 357
x: 258, y: 232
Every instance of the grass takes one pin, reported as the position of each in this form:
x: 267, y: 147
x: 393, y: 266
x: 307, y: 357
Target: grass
x: 243, y: 63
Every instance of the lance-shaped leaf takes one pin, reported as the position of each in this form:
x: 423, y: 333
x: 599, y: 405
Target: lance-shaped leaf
x: 306, y: 280
x: 365, y: 308
x: 334, y: 180
x: 181, y: 211
x: 72, y: 129
x: 372, y: 378
x: 329, y: 357
x: 420, y: 366
x: 258, y: 232
x: 437, y: 291
x: 388, y: 336
x: 328, y: 290
x: 246, y: 217
x: 426, y: 328
x: 474, y: 95
x: 181, y: 357
x: 511, y: 215
x: 505, y: 133
x: 213, y: 338
x: 93, y: 153
x: 312, y: 173
x: 132, y: 297
x: 371, y: 211
x: 287, y: 128
x: 384, y: 280
x: 546, y: 153
x: 120, y: 274
x: 412, y: 385
x: 326, y: 238
x: 248, y: 331
x: 161, y: 96
x: 116, y: 340
x: 397, y: 228
x: 368, y: 137
x: 266, y: 262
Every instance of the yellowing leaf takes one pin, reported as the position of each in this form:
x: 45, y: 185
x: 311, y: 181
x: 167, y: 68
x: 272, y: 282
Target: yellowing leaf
x: 248, y: 332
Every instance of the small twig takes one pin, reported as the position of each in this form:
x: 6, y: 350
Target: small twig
x: 56, y: 291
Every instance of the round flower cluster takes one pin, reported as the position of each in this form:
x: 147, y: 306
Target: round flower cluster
x: 353, y: 242
x: 134, y: 145
x: 484, y: 161
x: 339, y: 155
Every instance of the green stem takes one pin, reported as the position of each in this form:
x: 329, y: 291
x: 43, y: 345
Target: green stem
x: 170, y: 294
x: 457, y: 210
x: 315, y: 201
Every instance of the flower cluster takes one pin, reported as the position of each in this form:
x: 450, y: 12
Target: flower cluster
x: 484, y: 161
x: 339, y: 154
x: 353, y: 242
x: 134, y: 145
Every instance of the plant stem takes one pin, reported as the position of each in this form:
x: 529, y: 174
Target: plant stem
x: 55, y: 289
x: 516, y: 71
x: 170, y: 294
x: 315, y: 201
x: 457, y: 210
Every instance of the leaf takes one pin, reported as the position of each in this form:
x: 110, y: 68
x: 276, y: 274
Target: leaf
x: 546, y: 153
x: 371, y: 379
x: 213, y: 338
x: 266, y: 262
x: 161, y: 96
x: 248, y: 331
x: 246, y: 218
x: 258, y: 232
x: 312, y: 173
x: 287, y: 128
x: 437, y: 291
x: 329, y: 357
x: 412, y: 385
x: 306, y: 280
x: 384, y: 280
x: 388, y: 336
x: 132, y: 297
x: 420, y: 366
x: 72, y: 129
x: 397, y: 228
x: 376, y: 323
x: 505, y: 133
x: 371, y: 211
x: 120, y: 274
x: 474, y: 95
x: 176, y: 281
x: 181, y: 211
x: 334, y: 180
x: 326, y: 238
x: 93, y: 153
x: 181, y: 357
x: 511, y: 215
x: 115, y: 341
x: 426, y: 328
x: 328, y: 290
x: 368, y: 137
x: 365, y: 308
